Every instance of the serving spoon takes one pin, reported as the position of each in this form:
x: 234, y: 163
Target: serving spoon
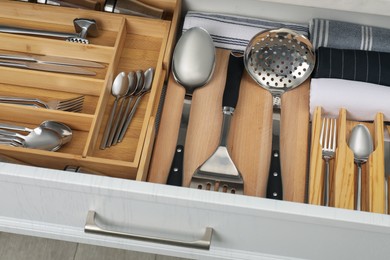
x: 193, y: 65
x: 361, y: 144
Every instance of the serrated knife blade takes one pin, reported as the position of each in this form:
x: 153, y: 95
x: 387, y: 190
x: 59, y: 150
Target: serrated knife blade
x: 51, y: 60
x: 47, y: 67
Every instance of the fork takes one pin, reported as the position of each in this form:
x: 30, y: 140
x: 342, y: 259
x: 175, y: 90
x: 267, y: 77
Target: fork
x: 328, y: 142
x: 70, y: 105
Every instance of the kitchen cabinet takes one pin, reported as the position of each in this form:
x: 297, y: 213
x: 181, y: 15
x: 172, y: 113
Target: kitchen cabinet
x: 55, y: 204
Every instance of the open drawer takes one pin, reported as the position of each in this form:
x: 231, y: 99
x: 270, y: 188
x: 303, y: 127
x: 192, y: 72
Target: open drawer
x: 56, y: 204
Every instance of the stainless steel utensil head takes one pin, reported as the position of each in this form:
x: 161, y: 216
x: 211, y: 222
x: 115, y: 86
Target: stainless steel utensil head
x: 38, y: 138
x: 279, y: 59
x: 193, y: 59
x: 361, y: 143
x: 84, y: 27
x: 218, y: 173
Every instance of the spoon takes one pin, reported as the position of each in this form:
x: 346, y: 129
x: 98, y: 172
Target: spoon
x: 10, y: 142
x: 193, y: 65
x: 130, y: 91
x: 39, y: 138
x: 63, y: 130
x: 361, y: 144
x: 118, y: 90
x: 139, y: 78
x: 147, y: 85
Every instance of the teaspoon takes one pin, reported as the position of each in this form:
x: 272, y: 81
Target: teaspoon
x: 139, y: 79
x: 361, y: 144
x: 130, y: 91
x: 118, y: 90
x: 147, y: 84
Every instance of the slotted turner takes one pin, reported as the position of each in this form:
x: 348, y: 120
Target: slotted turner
x: 278, y: 60
x: 218, y: 172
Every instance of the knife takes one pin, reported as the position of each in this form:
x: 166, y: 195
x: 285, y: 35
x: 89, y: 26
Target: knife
x: 386, y: 135
x: 51, y: 60
x: 47, y: 67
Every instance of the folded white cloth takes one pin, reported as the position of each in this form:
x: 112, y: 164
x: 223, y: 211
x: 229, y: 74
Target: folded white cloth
x: 234, y: 32
x: 362, y: 100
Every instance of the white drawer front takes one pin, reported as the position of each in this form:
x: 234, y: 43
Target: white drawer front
x: 55, y: 204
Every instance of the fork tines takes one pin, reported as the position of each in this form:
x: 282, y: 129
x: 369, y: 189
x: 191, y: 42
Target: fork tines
x: 328, y: 134
x: 73, y: 105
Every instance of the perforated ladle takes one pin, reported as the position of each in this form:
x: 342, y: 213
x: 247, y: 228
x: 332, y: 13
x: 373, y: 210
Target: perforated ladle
x: 278, y: 60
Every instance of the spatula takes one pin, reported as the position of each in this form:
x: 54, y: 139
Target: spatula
x: 218, y: 172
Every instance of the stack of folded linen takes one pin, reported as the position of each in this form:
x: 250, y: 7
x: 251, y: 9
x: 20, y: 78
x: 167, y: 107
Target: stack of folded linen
x: 352, y: 69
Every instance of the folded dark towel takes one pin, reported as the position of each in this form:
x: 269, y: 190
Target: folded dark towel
x: 358, y: 65
x: 345, y: 35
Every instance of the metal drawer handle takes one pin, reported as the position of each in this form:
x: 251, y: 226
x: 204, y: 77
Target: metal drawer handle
x: 92, y: 227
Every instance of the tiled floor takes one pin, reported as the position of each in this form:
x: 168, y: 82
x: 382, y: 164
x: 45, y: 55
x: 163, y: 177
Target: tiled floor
x: 18, y: 247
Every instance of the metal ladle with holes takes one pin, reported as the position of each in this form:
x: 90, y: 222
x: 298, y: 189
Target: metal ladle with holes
x: 278, y: 60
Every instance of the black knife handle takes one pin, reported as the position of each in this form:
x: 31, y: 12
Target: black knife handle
x: 233, y: 80
x: 175, y: 176
x: 274, y: 185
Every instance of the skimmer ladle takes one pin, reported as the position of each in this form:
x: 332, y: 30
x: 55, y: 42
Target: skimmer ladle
x: 278, y: 60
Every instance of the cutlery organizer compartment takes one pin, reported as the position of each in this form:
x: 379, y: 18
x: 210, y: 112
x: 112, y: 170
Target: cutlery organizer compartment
x: 32, y: 118
x: 90, y: 99
x: 249, y: 138
x: 49, y: 18
x: 343, y: 169
x: 124, y: 43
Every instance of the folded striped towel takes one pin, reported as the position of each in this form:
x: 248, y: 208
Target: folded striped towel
x: 234, y: 32
x: 345, y: 35
x: 358, y: 65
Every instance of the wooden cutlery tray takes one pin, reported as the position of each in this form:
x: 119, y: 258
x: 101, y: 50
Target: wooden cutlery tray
x: 343, y: 169
x: 125, y: 43
x: 250, y: 136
